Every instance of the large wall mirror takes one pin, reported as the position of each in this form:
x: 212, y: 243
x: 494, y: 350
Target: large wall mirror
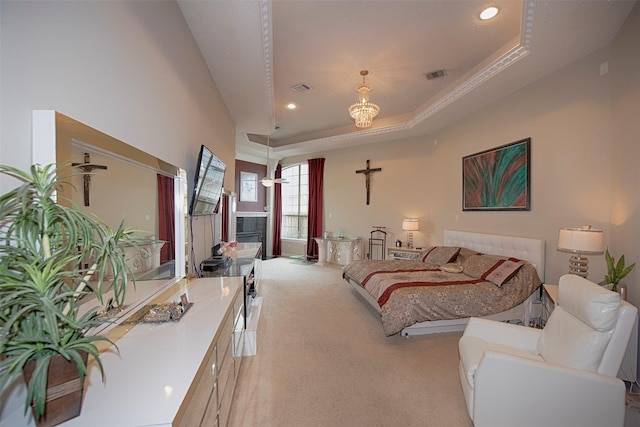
x: 116, y: 182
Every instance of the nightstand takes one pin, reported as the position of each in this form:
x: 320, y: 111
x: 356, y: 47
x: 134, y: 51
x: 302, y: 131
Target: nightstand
x: 549, y: 301
x: 404, y: 253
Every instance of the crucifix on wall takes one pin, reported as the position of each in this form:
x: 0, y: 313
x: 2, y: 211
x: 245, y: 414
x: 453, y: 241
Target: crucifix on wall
x: 367, y: 175
x: 87, y: 168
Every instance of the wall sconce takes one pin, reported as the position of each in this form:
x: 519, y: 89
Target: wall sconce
x: 410, y: 225
x: 579, y: 242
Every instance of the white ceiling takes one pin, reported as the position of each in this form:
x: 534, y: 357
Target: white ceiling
x: 258, y: 50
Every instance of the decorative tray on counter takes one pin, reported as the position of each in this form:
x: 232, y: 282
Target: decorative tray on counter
x: 160, y: 313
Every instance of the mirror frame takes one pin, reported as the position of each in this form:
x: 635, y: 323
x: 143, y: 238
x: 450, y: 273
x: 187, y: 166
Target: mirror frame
x: 53, y: 134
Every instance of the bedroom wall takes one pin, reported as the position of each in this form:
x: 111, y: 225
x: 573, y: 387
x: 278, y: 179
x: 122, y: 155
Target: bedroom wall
x: 625, y: 147
x: 129, y: 69
x: 567, y: 114
x: 260, y: 171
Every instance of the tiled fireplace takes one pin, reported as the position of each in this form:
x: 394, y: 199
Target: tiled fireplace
x: 252, y: 229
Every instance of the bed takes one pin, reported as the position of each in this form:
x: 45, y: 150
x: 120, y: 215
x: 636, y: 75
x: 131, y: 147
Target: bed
x: 499, y: 281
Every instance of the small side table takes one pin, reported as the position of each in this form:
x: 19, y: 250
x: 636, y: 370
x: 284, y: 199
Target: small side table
x: 549, y: 301
x: 336, y: 250
x: 404, y: 253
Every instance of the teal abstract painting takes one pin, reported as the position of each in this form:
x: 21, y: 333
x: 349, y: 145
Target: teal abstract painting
x: 498, y: 179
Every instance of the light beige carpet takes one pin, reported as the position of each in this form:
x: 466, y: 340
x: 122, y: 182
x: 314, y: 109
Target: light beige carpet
x: 323, y: 360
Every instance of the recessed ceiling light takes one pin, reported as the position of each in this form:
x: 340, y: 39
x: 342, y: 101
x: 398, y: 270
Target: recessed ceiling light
x: 488, y: 13
x: 292, y: 106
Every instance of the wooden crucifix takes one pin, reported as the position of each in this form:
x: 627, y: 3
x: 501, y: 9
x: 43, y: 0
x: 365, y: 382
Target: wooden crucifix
x: 367, y: 175
x: 87, y: 168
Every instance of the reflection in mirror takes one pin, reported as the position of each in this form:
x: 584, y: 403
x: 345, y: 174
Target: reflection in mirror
x: 142, y: 199
x: 116, y: 182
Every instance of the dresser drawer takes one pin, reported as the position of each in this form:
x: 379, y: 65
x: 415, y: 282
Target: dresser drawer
x: 238, y: 348
x: 225, y: 367
x: 210, y: 417
x: 225, y: 398
x: 205, y: 396
x: 225, y: 337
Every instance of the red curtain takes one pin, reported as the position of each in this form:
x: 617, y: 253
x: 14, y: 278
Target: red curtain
x: 277, y: 214
x: 166, y: 217
x: 225, y: 217
x: 316, y: 172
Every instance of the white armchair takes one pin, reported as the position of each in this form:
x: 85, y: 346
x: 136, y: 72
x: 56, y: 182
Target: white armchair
x: 563, y: 375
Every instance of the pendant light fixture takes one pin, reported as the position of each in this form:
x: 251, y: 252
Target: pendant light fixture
x: 268, y: 181
x: 363, y: 111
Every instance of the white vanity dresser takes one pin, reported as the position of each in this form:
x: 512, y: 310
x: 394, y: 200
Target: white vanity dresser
x: 168, y: 374
x: 173, y: 374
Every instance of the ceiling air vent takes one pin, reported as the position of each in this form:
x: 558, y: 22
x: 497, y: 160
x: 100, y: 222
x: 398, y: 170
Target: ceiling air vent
x: 301, y: 87
x: 435, y: 74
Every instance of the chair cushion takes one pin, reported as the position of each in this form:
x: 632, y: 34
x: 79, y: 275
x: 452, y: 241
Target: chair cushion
x: 569, y: 342
x: 472, y: 349
x: 589, y: 302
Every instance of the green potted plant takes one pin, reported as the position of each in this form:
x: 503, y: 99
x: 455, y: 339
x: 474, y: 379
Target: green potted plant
x: 616, y: 271
x: 52, y: 254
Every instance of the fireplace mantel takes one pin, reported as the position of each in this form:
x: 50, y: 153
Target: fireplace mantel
x: 252, y: 214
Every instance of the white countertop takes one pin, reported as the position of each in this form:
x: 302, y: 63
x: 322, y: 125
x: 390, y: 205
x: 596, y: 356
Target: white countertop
x: 147, y: 381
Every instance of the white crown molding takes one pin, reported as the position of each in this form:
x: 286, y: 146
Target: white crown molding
x: 253, y: 152
x: 267, y: 47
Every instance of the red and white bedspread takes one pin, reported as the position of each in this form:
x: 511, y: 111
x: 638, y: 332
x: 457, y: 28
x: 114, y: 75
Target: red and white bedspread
x: 410, y: 292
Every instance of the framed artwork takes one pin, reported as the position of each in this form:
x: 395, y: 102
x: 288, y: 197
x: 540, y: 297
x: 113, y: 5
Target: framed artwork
x: 498, y: 179
x: 248, y: 187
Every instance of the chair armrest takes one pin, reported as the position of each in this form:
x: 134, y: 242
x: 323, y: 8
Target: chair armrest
x: 510, y: 390
x: 521, y: 337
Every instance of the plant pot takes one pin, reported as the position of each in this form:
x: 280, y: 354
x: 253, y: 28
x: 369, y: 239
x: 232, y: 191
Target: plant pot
x: 64, y: 390
x: 622, y: 290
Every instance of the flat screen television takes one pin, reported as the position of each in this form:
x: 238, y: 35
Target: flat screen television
x: 208, y: 184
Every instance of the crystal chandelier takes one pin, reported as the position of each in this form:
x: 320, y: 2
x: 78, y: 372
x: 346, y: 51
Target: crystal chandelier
x: 363, y: 111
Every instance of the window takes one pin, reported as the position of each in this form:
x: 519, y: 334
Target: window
x: 295, y: 201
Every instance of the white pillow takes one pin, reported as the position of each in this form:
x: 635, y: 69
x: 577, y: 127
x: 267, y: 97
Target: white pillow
x: 451, y: 267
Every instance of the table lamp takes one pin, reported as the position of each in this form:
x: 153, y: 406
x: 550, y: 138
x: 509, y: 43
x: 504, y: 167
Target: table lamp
x: 410, y: 225
x: 580, y: 242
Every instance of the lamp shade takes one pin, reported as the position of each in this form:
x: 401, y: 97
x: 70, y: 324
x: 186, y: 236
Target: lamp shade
x: 410, y: 224
x: 585, y: 240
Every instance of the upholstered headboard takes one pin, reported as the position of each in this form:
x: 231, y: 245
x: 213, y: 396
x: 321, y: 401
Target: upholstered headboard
x: 524, y: 248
